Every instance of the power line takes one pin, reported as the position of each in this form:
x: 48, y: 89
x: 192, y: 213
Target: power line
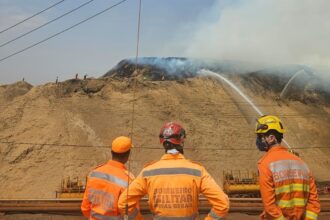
x: 52, y: 144
x: 67, y: 29
x: 183, y: 102
x: 195, y: 102
x: 196, y: 110
x: 136, y: 67
x: 187, y: 112
x: 140, y: 160
x: 151, y: 148
x: 28, y: 18
x: 47, y: 23
x: 204, y: 103
x: 133, y: 103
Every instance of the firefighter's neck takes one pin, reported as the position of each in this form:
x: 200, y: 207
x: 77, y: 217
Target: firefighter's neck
x: 123, y: 161
x: 273, y: 145
x: 172, y: 151
x: 120, y: 159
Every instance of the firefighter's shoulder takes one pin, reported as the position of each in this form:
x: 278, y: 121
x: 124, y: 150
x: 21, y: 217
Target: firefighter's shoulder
x: 149, y: 163
x: 264, y: 159
x: 95, y: 168
x: 100, y: 165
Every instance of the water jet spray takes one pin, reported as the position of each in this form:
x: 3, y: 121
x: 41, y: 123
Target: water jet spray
x: 233, y: 86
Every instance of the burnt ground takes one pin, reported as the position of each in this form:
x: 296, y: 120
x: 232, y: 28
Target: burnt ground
x: 307, y: 87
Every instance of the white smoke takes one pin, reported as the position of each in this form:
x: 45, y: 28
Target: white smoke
x: 272, y: 32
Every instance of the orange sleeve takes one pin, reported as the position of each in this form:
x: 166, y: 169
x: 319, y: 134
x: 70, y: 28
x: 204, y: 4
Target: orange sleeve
x: 136, y: 190
x: 267, y: 191
x: 216, y: 197
x: 313, y: 203
x: 86, y: 204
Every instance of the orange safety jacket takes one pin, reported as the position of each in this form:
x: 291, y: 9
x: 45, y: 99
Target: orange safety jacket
x: 104, y: 186
x: 173, y: 185
x: 287, y: 187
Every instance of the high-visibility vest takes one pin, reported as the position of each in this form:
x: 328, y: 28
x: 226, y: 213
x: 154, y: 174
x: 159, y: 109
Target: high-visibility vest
x: 104, y: 186
x: 287, y: 187
x: 173, y: 185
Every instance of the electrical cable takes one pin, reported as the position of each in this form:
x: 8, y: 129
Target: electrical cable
x: 47, y: 23
x: 111, y: 109
x: 133, y: 102
x: 220, y: 115
x: 150, y: 148
x: 28, y: 18
x: 58, y: 33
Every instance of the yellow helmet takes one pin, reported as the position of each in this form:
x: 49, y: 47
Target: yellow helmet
x: 269, y: 122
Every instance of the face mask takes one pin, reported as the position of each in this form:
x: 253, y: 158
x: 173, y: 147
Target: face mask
x: 261, y: 144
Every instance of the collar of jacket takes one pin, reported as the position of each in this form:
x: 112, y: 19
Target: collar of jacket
x: 277, y: 148
x: 172, y: 157
x: 117, y: 164
x: 273, y: 149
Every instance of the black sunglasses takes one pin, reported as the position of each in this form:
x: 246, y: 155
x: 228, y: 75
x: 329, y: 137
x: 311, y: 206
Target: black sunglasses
x: 262, y: 127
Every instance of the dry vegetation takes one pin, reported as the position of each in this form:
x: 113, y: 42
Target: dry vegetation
x: 92, y: 112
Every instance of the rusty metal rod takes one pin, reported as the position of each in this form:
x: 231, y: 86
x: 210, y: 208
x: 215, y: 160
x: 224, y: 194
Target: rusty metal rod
x: 322, y: 199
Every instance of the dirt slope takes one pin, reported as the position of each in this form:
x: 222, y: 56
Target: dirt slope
x: 94, y: 111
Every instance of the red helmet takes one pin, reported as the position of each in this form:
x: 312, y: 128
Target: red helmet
x: 172, y: 132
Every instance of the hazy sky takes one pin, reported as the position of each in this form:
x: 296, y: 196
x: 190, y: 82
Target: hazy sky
x: 273, y: 31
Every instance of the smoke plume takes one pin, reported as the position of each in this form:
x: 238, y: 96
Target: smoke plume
x: 272, y: 32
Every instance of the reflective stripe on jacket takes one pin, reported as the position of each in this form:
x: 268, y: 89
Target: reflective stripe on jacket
x: 287, y: 187
x: 104, y: 186
x: 173, y: 185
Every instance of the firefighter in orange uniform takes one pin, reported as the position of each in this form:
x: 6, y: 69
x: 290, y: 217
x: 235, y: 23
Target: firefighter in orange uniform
x: 173, y: 183
x: 287, y: 186
x: 107, y: 182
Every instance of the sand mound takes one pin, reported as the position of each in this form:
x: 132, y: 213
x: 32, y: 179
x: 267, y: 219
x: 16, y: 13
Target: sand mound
x: 65, y: 129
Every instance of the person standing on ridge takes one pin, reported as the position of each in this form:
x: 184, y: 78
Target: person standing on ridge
x: 287, y: 187
x: 107, y: 182
x: 173, y: 183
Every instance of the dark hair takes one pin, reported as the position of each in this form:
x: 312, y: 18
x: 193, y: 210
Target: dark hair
x: 277, y: 135
x: 168, y: 146
x: 120, y: 155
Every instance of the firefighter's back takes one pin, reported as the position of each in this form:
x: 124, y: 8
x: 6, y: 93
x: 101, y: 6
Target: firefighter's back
x: 174, y: 186
x: 292, y: 182
x: 105, y: 184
